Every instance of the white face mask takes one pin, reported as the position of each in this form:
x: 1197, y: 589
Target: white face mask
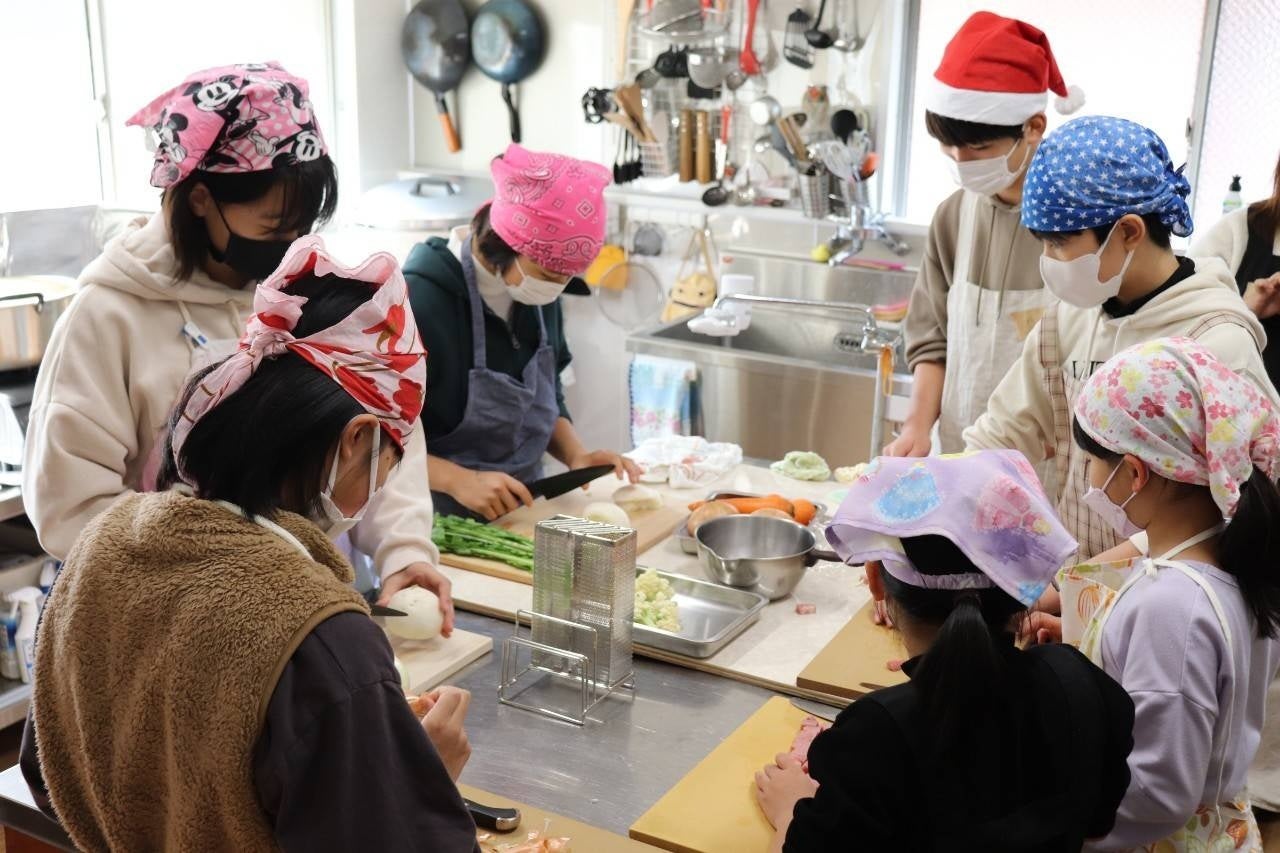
x: 536, y: 291
x: 1108, y: 510
x: 1076, y: 282
x: 989, y: 176
x: 335, y: 522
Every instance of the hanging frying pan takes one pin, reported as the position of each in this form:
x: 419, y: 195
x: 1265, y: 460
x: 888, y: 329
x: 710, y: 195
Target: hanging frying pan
x: 508, y: 44
x: 436, y: 45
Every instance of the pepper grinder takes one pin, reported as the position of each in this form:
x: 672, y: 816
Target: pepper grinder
x: 686, y: 146
x: 703, y: 150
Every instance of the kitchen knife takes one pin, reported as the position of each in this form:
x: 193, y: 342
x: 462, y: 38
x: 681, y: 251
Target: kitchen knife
x: 554, y: 487
x: 376, y: 609
x: 816, y: 709
x: 492, y: 817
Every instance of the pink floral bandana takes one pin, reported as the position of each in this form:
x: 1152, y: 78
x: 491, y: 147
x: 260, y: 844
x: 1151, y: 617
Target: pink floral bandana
x: 1188, y: 416
x: 375, y: 354
x: 237, y: 118
x: 550, y: 208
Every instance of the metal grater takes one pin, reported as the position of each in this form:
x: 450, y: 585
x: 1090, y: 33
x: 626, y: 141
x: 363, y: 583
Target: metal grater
x: 585, y: 572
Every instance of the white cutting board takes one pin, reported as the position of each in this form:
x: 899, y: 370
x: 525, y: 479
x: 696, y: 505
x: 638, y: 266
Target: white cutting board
x: 432, y: 662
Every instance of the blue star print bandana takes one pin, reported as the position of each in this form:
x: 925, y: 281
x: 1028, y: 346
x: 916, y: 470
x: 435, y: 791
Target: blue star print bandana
x: 988, y: 503
x: 1094, y: 170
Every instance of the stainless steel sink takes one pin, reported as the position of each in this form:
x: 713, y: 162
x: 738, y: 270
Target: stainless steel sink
x: 796, y: 379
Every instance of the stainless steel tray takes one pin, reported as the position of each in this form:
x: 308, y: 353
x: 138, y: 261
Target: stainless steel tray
x: 710, y: 616
x: 690, y: 546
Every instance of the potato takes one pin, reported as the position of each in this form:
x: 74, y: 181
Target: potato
x: 424, y: 619
x: 708, y: 511
x: 770, y: 512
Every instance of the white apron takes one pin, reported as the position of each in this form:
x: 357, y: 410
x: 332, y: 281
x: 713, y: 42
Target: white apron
x: 1090, y: 593
x: 985, y: 331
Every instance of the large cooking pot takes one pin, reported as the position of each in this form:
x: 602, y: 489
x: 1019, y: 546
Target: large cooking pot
x: 29, y: 307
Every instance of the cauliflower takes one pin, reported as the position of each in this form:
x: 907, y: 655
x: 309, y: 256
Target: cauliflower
x: 655, y: 602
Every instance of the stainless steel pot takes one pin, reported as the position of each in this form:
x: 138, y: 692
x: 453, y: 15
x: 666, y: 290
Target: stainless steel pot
x: 29, y: 308
x: 759, y: 553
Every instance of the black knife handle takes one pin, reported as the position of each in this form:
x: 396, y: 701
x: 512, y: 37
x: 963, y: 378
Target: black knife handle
x: 492, y: 817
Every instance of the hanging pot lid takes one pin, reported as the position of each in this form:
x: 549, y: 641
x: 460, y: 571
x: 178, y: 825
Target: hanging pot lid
x: 424, y: 203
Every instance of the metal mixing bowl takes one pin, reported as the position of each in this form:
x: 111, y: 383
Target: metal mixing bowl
x: 759, y: 553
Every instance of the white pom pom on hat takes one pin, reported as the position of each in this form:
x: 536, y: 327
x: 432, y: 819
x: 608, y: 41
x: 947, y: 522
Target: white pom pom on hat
x: 1072, y: 102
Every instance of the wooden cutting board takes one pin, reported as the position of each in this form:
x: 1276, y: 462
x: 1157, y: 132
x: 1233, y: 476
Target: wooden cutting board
x: 431, y: 662
x: 713, y: 808
x: 581, y: 836
x: 651, y: 527
x: 853, y: 663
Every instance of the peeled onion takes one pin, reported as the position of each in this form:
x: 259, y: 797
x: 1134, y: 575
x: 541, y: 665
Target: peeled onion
x: 402, y: 672
x: 423, y: 620
x: 607, y: 513
x: 637, y: 498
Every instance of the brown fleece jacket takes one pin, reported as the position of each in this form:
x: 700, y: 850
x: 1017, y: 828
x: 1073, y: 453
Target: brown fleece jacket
x: 157, y: 655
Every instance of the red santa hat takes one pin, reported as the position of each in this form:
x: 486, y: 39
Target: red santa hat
x: 998, y: 70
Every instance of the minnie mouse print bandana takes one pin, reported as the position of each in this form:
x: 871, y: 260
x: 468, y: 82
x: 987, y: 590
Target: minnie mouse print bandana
x: 375, y: 354
x: 236, y: 118
x: 1184, y: 413
x: 988, y: 503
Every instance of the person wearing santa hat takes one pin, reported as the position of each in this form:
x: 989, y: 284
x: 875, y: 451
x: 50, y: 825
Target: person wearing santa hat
x: 487, y: 305
x: 978, y: 292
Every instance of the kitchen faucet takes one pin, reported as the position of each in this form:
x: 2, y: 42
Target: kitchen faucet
x: 863, y: 224
x: 875, y: 338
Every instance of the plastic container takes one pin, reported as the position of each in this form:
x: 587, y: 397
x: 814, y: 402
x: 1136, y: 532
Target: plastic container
x: 28, y: 600
x: 9, y: 667
x: 1232, y: 200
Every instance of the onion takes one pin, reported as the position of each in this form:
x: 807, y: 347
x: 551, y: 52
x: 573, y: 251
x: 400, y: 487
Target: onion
x: 607, y: 513
x: 423, y: 620
x: 637, y: 498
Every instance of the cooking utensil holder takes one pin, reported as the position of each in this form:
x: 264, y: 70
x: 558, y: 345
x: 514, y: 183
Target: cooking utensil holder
x: 815, y: 194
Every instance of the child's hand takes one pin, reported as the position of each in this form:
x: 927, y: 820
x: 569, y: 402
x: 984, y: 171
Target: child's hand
x: 779, y: 786
x: 1040, y: 628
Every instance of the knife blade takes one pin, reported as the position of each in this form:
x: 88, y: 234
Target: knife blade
x: 379, y: 610
x: 554, y: 487
x: 492, y: 817
x: 823, y: 712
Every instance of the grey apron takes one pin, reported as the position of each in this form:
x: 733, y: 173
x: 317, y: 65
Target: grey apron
x: 507, y: 423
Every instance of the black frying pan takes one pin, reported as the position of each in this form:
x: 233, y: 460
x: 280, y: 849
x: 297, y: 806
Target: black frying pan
x: 508, y: 43
x: 436, y: 45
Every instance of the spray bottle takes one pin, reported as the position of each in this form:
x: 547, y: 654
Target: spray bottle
x: 28, y: 600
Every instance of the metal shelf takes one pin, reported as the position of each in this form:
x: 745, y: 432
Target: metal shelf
x: 10, y: 503
x: 15, y: 698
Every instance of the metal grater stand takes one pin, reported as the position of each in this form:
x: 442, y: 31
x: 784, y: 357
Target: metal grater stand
x: 578, y: 648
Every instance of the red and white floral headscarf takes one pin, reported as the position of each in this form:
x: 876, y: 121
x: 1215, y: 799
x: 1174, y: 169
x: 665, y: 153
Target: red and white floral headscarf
x: 1192, y: 419
x: 375, y: 354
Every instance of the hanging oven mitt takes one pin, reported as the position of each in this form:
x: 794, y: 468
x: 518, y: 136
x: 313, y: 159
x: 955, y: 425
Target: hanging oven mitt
x: 609, y: 269
x: 693, y: 291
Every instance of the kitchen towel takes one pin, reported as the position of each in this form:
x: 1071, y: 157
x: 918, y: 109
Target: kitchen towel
x: 664, y: 398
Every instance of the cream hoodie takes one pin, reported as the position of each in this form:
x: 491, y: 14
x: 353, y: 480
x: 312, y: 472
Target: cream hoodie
x: 1020, y: 412
x: 1228, y: 238
x: 114, y: 369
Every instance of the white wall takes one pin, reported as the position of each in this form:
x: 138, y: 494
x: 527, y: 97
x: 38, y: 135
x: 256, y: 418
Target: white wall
x: 577, y: 44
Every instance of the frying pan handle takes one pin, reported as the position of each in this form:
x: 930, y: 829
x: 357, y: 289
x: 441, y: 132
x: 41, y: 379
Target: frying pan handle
x: 451, y: 139
x: 511, y: 110
x: 823, y: 554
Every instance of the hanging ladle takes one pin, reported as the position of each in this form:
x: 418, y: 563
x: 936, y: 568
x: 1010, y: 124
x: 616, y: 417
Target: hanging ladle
x: 815, y: 36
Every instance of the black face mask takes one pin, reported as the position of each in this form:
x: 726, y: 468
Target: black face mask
x: 253, y: 259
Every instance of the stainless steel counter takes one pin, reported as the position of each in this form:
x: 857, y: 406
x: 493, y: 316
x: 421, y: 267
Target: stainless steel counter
x: 606, y: 773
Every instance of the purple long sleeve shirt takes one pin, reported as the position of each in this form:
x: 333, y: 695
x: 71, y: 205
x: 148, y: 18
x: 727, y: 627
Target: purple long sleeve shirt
x: 1196, y: 715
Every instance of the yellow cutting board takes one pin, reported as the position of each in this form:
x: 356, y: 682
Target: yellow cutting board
x: 853, y: 663
x: 588, y: 839
x: 713, y: 808
x: 651, y: 527
x: 431, y: 662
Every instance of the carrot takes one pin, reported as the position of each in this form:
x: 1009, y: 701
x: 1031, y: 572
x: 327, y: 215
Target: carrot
x: 804, y: 511
x: 746, y: 506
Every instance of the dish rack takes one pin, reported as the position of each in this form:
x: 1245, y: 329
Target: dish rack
x: 580, y: 630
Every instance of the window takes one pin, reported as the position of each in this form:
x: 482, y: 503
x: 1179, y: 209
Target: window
x: 1136, y: 59
x: 1242, y: 125
x: 144, y: 47
x: 49, y: 147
